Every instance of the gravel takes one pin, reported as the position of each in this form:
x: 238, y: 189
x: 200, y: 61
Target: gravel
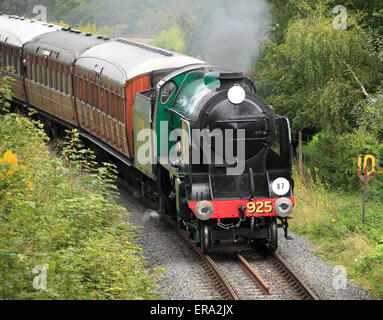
x: 184, y: 278
x: 325, y: 280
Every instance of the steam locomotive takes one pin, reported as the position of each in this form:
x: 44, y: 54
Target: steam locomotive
x: 193, y: 137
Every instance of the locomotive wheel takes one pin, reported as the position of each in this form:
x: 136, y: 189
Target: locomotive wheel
x: 205, y: 237
x: 272, y: 241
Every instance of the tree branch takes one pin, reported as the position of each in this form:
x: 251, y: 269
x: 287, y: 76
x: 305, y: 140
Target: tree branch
x: 360, y: 83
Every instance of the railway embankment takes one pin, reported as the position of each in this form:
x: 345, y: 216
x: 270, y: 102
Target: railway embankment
x: 62, y: 236
x: 329, y: 224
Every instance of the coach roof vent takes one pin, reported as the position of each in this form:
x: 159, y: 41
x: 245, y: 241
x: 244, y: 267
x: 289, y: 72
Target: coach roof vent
x: 145, y: 47
x: 88, y: 34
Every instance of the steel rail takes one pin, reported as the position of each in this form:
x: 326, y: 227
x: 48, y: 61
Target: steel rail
x: 293, y: 278
x: 223, y: 285
x: 254, y: 275
x: 230, y: 292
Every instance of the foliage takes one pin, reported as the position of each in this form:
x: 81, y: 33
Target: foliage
x: 60, y: 214
x: 370, y: 114
x: 170, y: 39
x: 105, y: 30
x: 5, y: 93
x: 139, y: 17
x: 317, y: 75
x: 371, y: 12
x: 336, y: 157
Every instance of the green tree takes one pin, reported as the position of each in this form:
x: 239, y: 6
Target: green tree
x: 171, y: 39
x: 318, y: 74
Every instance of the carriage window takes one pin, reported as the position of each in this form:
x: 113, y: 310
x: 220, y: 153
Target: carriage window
x: 102, y: 99
x: 38, y: 71
x: 33, y: 75
x: 7, y: 59
x: 77, y: 87
x: 92, y: 97
x: 3, y: 60
x: 82, y: 90
x: 69, y: 84
x: 97, y: 101
x: 107, y: 103
x: 123, y: 110
x: 43, y: 75
x: 83, y: 98
x: 118, y: 102
x: 167, y: 91
x: 88, y: 93
x: 58, y: 77
x: 64, y: 84
x: 116, y: 106
x: 13, y: 60
x: 29, y: 68
x: 18, y: 65
x: 113, y: 105
x: 48, y: 77
x: 53, y: 76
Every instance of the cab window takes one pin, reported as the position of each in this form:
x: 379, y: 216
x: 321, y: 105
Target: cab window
x: 167, y: 91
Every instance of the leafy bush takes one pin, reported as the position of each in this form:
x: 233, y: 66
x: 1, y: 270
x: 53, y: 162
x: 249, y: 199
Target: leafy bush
x: 171, y: 39
x: 59, y: 215
x: 5, y: 92
x: 336, y: 157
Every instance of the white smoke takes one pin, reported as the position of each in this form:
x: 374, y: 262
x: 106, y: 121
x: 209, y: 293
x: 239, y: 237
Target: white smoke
x: 224, y: 32
x: 150, y: 214
x: 233, y: 37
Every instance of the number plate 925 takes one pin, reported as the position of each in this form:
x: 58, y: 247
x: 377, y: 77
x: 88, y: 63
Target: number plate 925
x: 259, y: 207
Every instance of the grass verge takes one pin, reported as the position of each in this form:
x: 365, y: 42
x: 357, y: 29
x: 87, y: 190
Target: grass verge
x: 332, y: 220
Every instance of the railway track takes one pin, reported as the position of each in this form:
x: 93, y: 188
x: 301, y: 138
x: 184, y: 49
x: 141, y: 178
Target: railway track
x: 223, y: 280
x: 293, y: 278
x: 224, y: 269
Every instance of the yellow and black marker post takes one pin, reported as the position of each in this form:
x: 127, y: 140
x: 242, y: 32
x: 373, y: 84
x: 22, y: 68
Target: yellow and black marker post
x: 367, y: 176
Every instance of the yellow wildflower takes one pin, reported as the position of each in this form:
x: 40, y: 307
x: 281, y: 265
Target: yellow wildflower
x: 10, y: 158
x: 29, y: 182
